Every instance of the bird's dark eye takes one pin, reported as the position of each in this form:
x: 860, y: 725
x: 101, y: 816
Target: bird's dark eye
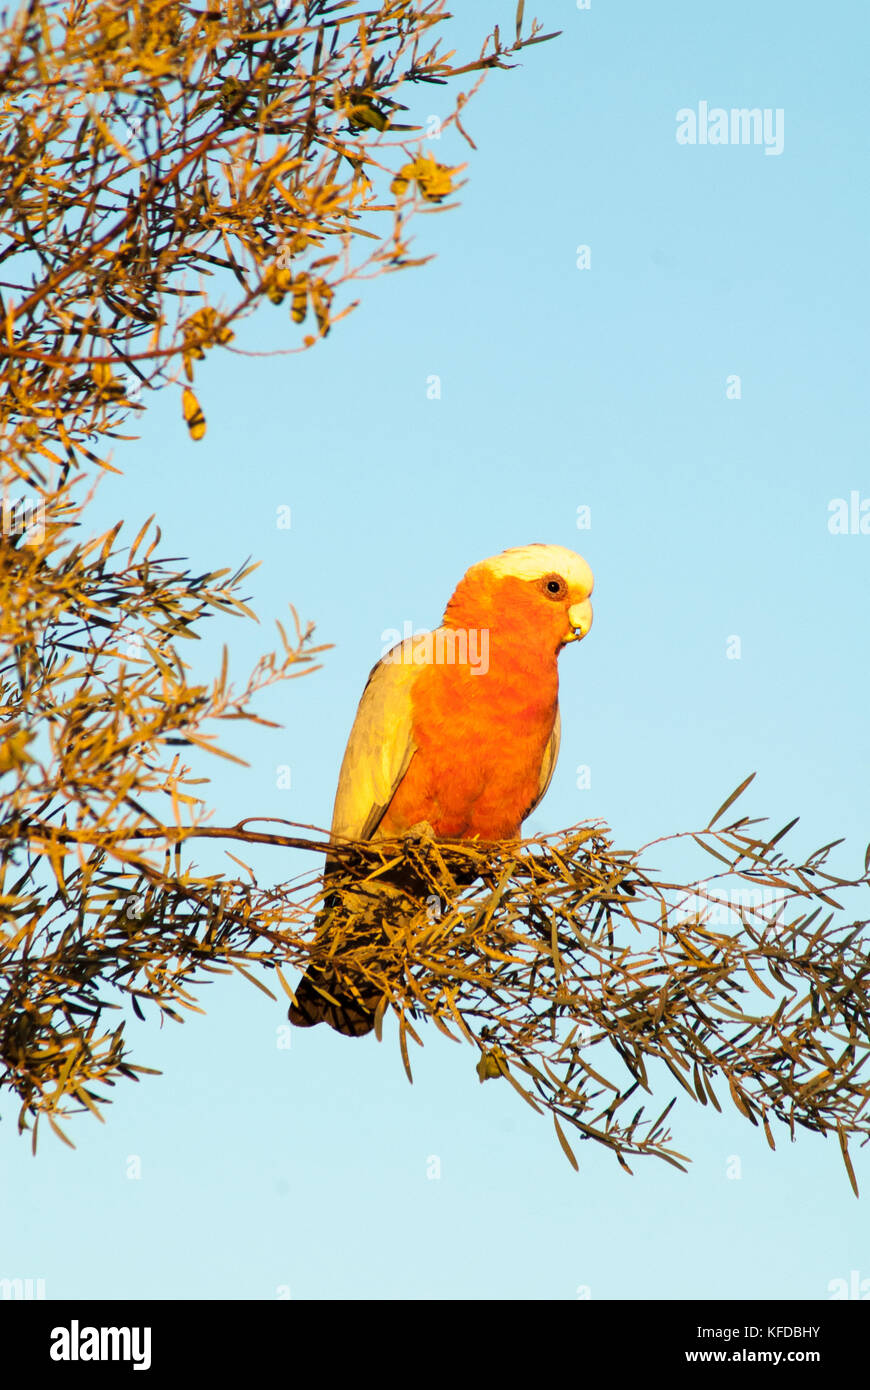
x: 554, y: 586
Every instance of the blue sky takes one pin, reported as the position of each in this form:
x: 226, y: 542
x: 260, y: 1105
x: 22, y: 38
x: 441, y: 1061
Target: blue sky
x: 268, y: 1170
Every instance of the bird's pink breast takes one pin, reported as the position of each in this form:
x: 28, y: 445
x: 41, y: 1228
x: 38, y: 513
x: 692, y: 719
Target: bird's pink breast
x: 480, y: 740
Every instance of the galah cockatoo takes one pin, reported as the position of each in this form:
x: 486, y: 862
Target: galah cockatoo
x: 458, y: 729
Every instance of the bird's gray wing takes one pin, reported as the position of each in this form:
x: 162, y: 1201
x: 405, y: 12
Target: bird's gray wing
x: 378, y: 752
x: 380, y: 746
x: 548, y: 763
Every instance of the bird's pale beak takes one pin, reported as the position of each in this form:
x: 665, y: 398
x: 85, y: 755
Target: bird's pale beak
x: 580, y: 618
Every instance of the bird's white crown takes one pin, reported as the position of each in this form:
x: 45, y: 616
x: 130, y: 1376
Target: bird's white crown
x: 534, y: 561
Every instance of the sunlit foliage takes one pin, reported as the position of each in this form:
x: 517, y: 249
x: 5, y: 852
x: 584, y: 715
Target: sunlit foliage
x: 166, y: 170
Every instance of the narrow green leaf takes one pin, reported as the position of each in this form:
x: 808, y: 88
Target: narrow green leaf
x: 569, y: 1152
x: 730, y: 800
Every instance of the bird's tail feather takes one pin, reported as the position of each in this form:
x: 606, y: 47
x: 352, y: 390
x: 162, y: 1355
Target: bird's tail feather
x: 319, y: 996
x: 319, y: 1000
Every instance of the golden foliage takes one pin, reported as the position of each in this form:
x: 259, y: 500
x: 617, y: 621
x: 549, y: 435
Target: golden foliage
x: 164, y: 170
x: 193, y: 416
x: 433, y: 180
x: 584, y: 979
x: 96, y: 704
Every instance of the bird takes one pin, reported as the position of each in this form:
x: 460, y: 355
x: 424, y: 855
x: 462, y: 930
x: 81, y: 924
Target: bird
x: 458, y: 729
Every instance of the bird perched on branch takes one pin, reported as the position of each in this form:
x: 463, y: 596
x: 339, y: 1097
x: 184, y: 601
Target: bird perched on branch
x: 458, y: 729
